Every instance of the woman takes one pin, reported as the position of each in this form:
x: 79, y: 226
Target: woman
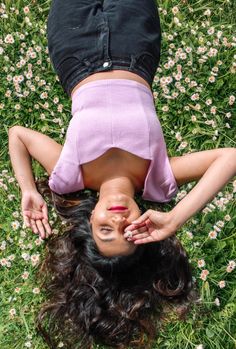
x: 105, y: 282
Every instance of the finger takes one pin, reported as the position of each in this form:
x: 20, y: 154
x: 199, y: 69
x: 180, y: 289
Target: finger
x: 47, y: 226
x: 40, y: 228
x: 45, y: 211
x: 142, y: 218
x: 135, y: 232
x: 33, y: 226
x: 141, y: 236
x: 144, y: 240
x: 26, y: 221
x: 156, y: 236
x: 132, y: 227
x: 148, y: 223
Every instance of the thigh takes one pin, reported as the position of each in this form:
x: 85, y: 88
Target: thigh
x: 72, y: 29
x: 134, y: 26
x: 71, y: 13
x: 138, y: 6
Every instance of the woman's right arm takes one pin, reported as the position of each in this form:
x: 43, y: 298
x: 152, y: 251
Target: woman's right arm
x: 25, y: 143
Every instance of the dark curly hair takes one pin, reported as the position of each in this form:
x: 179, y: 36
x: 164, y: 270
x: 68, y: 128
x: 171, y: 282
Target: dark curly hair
x: 115, y: 301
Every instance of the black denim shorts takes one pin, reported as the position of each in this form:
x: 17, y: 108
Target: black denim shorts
x: 89, y: 36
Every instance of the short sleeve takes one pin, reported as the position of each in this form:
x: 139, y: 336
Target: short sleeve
x: 160, y: 184
x: 66, y: 176
x: 156, y: 188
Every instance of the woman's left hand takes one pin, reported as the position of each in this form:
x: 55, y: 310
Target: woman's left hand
x: 150, y: 227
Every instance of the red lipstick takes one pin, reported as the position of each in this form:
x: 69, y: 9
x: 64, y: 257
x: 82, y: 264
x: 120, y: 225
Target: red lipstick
x: 118, y: 208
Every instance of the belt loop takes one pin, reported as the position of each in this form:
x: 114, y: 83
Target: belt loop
x: 88, y: 64
x: 133, y: 61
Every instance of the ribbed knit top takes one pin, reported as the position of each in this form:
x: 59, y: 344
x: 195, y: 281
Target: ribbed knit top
x: 114, y: 113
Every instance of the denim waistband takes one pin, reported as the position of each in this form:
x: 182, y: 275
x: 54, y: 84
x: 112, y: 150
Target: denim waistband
x: 88, y: 67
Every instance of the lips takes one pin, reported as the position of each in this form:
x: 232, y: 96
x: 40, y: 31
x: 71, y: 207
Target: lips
x: 118, y: 208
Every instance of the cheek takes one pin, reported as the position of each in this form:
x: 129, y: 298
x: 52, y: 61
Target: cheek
x: 135, y: 213
x: 99, y: 216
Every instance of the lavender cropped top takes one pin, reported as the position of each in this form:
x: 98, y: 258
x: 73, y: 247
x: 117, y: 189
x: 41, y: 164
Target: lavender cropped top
x: 114, y: 113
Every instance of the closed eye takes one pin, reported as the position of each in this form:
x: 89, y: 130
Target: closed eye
x: 106, y: 229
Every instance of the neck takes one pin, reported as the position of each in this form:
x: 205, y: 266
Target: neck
x: 119, y: 185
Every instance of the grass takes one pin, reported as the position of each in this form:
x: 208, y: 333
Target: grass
x: 194, y: 95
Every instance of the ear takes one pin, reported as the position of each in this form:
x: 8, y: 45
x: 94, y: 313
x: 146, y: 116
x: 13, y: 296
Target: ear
x: 91, y: 217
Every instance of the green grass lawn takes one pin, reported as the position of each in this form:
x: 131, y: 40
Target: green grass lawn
x: 194, y: 90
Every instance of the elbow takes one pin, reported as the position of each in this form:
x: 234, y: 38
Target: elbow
x: 14, y: 131
x: 228, y: 152
x: 230, y: 155
x: 231, y: 152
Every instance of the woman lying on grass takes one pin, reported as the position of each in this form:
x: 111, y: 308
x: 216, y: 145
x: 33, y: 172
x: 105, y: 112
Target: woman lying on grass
x: 110, y: 273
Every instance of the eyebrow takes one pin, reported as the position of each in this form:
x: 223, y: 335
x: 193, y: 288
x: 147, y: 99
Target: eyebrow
x: 106, y: 240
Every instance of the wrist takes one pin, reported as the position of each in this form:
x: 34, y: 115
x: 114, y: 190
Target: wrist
x: 176, y: 219
x: 29, y: 189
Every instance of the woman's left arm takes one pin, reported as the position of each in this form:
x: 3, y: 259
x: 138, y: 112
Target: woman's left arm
x: 213, y: 168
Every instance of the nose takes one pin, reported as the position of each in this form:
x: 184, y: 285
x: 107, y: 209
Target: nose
x: 118, y: 219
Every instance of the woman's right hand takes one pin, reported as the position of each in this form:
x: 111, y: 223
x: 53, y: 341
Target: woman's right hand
x: 35, y: 213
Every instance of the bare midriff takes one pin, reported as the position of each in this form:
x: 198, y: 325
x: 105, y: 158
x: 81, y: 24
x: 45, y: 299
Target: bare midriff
x: 115, y: 163
x: 113, y: 74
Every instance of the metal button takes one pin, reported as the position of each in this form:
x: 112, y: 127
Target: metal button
x: 105, y: 64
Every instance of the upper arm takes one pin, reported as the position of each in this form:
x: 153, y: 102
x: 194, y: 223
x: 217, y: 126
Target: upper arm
x: 191, y: 167
x: 41, y: 147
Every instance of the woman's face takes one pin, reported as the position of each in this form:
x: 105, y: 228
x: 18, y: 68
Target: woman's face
x: 111, y: 215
